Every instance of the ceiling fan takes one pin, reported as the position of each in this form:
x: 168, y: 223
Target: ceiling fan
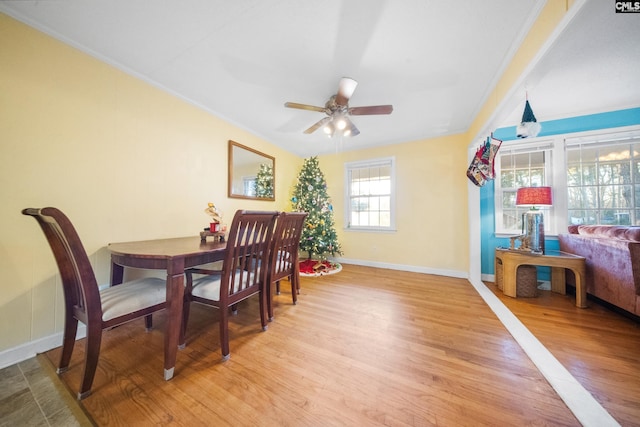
x: 338, y: 111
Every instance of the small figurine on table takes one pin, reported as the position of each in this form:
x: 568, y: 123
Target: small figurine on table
x: 216, y: 217
x: 214, y: 227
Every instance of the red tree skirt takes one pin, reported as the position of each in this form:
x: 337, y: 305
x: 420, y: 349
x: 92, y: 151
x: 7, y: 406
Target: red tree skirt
x: 312, y: 267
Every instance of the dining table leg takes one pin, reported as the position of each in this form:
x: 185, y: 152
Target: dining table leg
x: 175, y: 297
x: 117, y: 274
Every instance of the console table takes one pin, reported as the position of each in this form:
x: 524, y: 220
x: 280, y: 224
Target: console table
x: 557, y: 260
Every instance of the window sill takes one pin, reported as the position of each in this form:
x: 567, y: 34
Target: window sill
x: 507, y: 235
x: 370, y: 230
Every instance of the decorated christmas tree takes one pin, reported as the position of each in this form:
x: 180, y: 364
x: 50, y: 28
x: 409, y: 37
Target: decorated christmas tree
x: 310, y: 195
x: 264, y: 181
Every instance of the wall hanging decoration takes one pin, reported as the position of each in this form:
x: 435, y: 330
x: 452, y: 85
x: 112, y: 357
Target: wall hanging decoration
x: 481, y: 168
x: 528, y: 127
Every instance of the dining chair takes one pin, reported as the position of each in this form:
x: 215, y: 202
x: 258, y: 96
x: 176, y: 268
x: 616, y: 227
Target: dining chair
x: 243, y: 273
x: 84, y: 301
x: 284, y: 249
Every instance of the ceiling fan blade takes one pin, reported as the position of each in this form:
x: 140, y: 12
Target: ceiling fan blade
x: 373, y: 109
x: 304, y: 107
x: 318, y: 125
x: 345, y: 90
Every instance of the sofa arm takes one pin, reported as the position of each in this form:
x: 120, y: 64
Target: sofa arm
x: 634, y: 250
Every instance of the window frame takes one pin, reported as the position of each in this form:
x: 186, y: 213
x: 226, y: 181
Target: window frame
x: 249, y: 184
x: 608, y: 140
x: 363, y: 164
x: 557, y: 216
x: 545, y: 145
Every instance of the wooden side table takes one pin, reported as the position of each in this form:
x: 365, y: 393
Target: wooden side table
x: 557, y: 260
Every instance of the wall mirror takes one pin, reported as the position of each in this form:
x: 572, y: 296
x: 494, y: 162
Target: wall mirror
x: 251, y: 173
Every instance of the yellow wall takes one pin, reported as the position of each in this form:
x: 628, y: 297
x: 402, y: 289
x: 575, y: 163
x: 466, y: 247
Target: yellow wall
x: 432, y: 233
x: 123, y: 159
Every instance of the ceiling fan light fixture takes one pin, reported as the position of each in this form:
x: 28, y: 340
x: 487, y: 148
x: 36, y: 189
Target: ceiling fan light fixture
x: 351, y: 129
x: 346, y: 88
x: 328, y: 129
x: 337, y: 122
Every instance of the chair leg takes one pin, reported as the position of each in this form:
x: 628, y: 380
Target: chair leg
x: 263, y: 307
x: 224, y: 333
x: 295, y: 286
x: 68, y: 341
x: 278, y: 287
x: 234, y: 309
x: 186, y: 308
x: 295, y: 277
x: 182, y: 339
x: 269, y: 302
x: 148, y: 322
x: 92, y: 352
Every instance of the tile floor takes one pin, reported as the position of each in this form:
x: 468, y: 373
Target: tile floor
x: 29, y: 397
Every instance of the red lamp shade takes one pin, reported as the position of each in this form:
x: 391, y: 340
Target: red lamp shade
x: 534, y: 196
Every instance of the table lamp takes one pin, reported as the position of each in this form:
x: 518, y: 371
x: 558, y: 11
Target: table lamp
x: 533, y: 220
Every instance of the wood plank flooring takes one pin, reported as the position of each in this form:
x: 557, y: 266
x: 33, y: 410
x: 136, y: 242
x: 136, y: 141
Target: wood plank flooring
x: 363, y: 347
x: 598, y: 346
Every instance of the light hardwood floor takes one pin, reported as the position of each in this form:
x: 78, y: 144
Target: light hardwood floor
x: 367, y: 347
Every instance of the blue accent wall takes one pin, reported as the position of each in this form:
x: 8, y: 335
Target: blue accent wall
x: 489, y: 241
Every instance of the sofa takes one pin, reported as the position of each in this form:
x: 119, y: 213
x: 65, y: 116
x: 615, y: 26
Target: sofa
x: 612, y: 255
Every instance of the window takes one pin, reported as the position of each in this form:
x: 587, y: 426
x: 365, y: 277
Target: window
x: 521, y: 166
x: 370, y: 194
x: 249, y: 185
x: 603, y: 181
x: 595, y: 178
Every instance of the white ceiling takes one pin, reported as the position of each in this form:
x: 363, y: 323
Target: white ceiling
x: 434, y: 61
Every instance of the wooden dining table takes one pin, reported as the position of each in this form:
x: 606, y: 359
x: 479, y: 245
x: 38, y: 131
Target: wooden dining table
x: 173, y: 255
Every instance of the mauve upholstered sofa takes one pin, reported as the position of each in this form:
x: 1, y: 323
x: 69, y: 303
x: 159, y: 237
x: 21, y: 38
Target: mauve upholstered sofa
x: 612, y: 255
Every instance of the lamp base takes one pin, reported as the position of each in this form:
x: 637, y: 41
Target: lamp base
x: 533, y: 224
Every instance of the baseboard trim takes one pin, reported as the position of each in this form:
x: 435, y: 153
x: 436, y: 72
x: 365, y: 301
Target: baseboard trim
x: 30, y: 349
x: 404, y: 267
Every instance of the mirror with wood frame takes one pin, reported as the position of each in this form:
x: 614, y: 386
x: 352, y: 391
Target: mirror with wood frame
x: 251, y: 173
